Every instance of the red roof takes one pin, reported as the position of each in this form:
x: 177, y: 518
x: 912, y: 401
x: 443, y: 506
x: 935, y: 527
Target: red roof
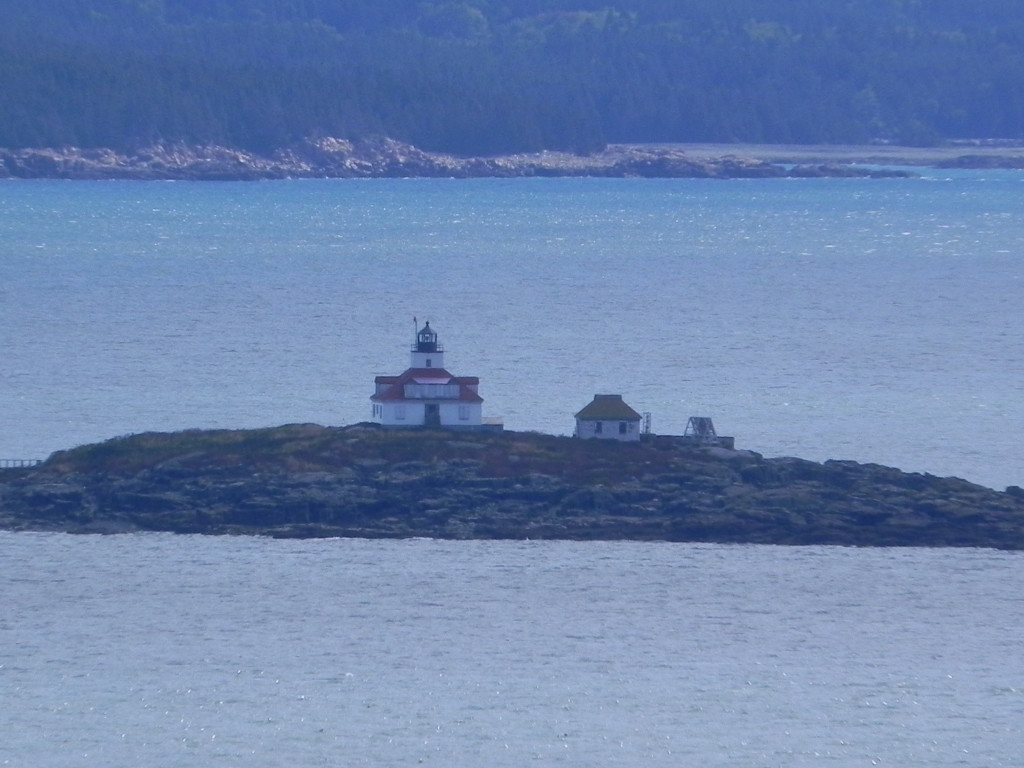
x: 396, y: 385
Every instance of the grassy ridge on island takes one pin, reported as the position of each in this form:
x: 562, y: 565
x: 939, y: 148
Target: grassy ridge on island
x: 364, y: 481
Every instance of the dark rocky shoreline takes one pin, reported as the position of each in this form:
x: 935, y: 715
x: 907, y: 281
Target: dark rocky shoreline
x: 304, y: 481
x: 386, y: 158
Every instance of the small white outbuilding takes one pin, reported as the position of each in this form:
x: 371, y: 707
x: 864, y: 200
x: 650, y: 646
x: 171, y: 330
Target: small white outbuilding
x: 608, y: 417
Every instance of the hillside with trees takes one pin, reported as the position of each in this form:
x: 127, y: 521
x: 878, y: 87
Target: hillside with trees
x: 483, y: 77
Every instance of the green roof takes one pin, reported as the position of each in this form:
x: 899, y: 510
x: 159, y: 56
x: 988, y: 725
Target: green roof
x: 608, y: 408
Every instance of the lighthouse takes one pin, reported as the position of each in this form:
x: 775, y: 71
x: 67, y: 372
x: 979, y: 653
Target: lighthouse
x: 426, y: 394
x: 426, y: 352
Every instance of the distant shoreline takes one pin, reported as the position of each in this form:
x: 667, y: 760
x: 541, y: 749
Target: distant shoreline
x: 381, y: 157
x: 332, y: 158
x: 1007, y: 153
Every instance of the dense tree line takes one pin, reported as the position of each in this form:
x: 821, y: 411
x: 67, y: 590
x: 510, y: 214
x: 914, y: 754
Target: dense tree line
x: 491, y: 76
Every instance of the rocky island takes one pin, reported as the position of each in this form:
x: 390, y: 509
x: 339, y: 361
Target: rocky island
x: 367, y: 481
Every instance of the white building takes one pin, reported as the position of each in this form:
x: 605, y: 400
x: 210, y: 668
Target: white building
x: 608, y: 417
x: 426, y: 395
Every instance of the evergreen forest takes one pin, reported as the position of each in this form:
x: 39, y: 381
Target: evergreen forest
x: 479, y: 77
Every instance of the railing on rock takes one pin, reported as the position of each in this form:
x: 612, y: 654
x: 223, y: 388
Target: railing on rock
x: 19, y: 463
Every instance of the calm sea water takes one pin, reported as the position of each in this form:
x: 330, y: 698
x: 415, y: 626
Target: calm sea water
x: 876, y: 320
x: 154, y: 650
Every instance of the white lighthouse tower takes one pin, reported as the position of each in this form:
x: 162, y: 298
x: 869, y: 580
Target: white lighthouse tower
x: 426, y: 352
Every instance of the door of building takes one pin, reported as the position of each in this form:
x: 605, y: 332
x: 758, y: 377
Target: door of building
x: 432, y: 418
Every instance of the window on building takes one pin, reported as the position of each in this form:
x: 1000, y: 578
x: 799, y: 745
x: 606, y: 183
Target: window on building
x: 430, y: 363
x: 599, y: 427
x: 400, y: 412
x: 464, y: 413
x: 622, y: 427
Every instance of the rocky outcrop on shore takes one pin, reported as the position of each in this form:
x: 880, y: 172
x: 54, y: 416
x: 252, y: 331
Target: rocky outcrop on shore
x: 386, y: 158
x: 1000, y: 162
x: 364, y: 481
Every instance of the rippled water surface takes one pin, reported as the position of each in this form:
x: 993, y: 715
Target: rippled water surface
x: 872, y: 320
x: 193, y: 651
